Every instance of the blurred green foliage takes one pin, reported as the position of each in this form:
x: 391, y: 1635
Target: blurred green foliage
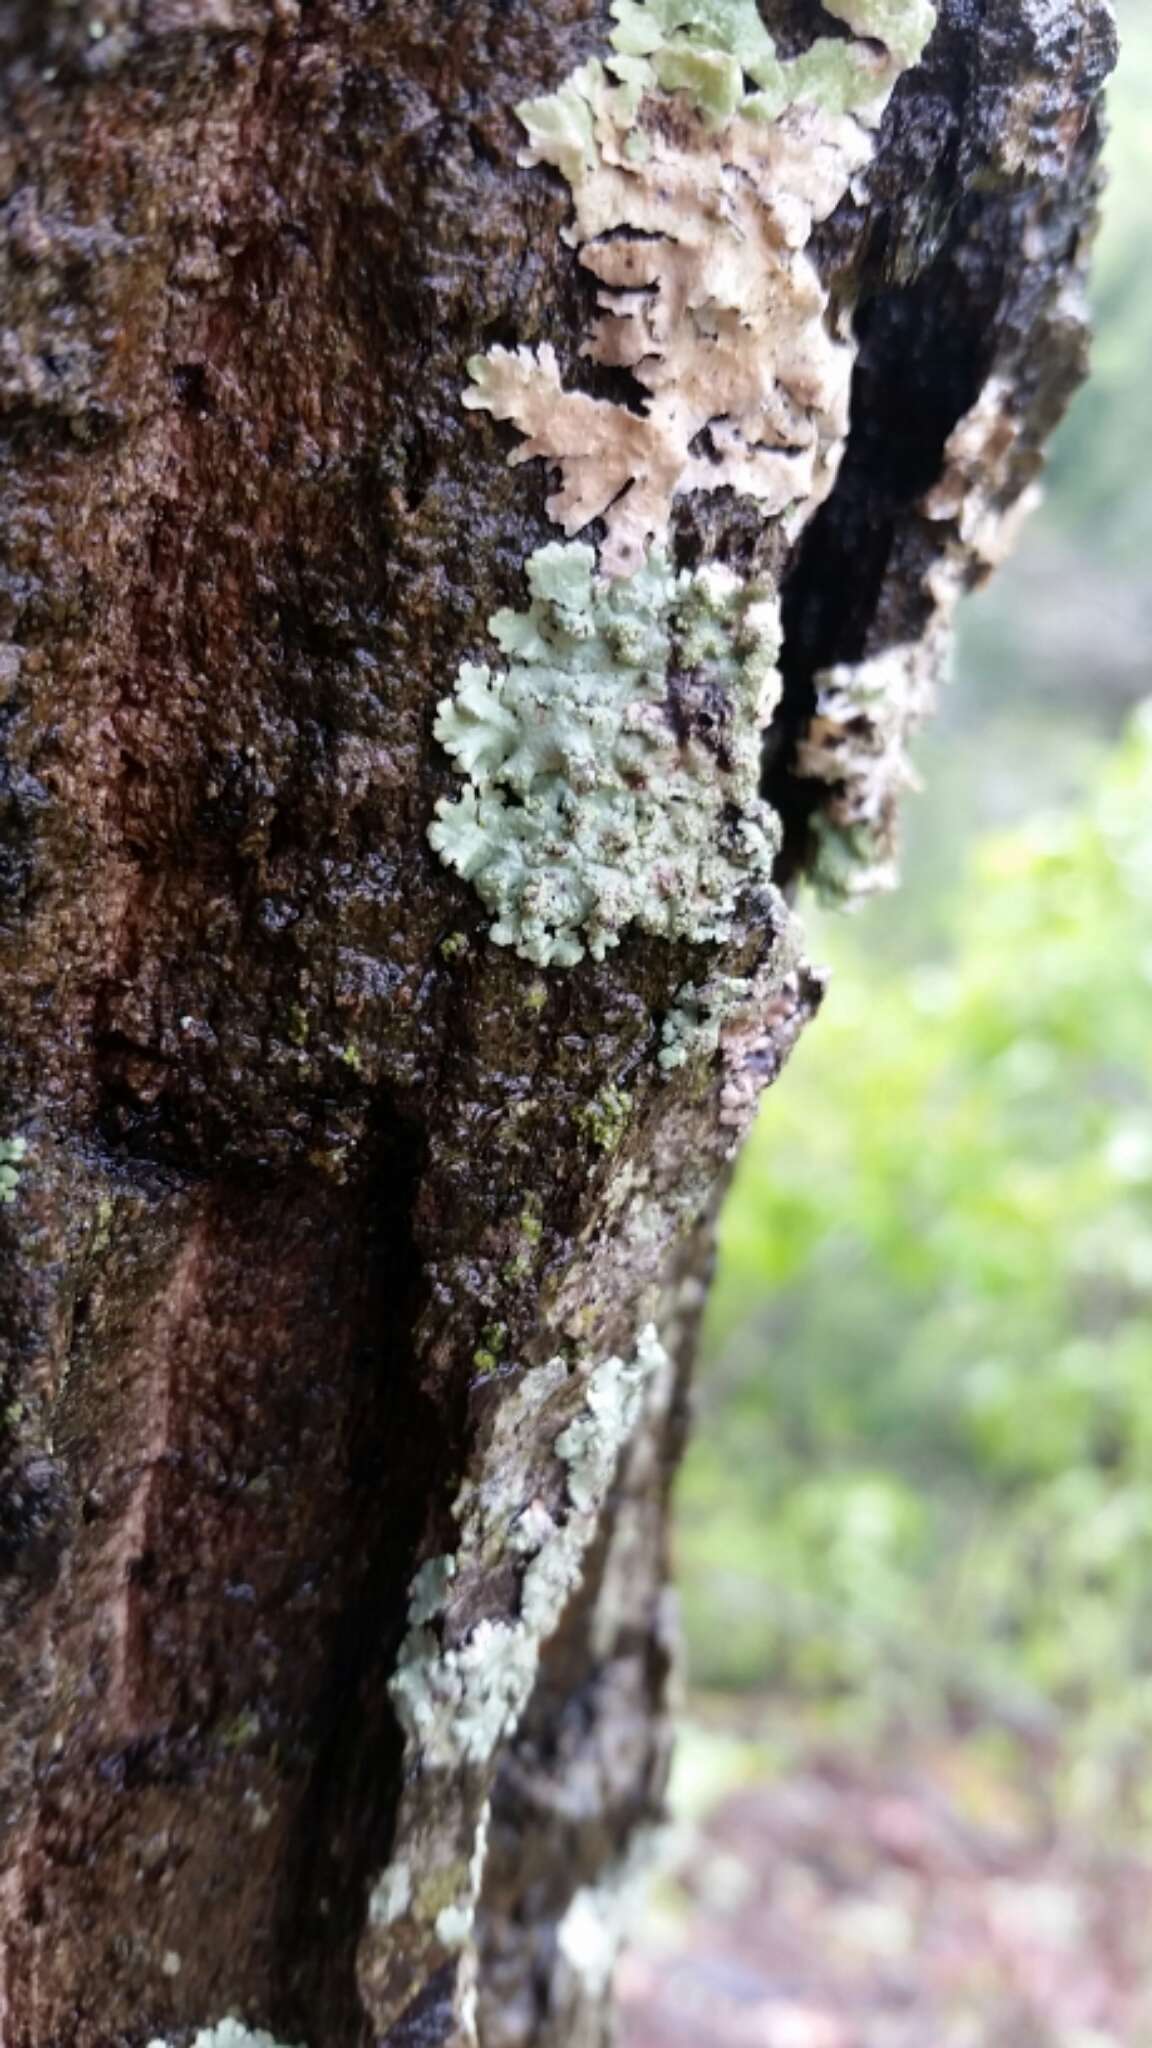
x: 1099, y: 491
x: 921, y: 1488
x: 924, y: 1479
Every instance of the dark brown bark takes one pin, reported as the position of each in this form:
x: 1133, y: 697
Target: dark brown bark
x: 279, y: 1146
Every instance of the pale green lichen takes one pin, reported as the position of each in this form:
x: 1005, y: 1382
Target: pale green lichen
x: 13, y: 1152
x: 228, y: 2033
x: 454, y: 1924
x: 391, y: 1896
x: 590, y: 1446
x: 613, y: 765
x: 599, y: 1917
x: 605, y: 1118
x: 692, y: 1028
x: 457, y: 1700
x: 722, y: 56
x: 457, y: 1703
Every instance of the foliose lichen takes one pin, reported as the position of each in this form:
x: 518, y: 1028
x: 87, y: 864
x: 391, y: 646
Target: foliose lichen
x: 590, y: 1446
x: 456, y: 1700
x: 228, y: 2033
x: 13, y: 1152
x: 699, y: 162
x: 613, y: 764
x: 691, y: 1029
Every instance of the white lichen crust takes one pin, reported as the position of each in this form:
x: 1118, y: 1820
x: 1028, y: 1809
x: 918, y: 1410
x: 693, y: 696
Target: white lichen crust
x: 457, y: 1697
x: 613, y: 765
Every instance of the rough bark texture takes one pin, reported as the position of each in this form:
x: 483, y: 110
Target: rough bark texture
x: 302, y: 1181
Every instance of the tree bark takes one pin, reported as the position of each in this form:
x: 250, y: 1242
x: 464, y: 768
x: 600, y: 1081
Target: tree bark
x: 316, y: 1175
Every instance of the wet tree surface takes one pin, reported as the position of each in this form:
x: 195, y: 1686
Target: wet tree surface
x: 310, y: 1162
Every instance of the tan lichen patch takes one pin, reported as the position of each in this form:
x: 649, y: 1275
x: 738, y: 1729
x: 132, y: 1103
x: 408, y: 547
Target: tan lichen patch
x: 699, y: 162
x: 977, y: 493
x: 708, y: 298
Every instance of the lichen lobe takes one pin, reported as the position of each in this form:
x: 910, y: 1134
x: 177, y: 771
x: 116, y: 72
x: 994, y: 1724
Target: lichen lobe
x: 591, y: 804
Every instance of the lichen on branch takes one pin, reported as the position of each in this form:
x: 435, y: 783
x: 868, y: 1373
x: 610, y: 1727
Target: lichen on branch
x: 694, y: 199
x: 613, y: 764
x: 868, y: 711
x: 536, y: 1483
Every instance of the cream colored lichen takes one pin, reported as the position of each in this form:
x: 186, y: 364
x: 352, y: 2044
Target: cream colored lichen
x: 708, y: 298
x: 699, y: 163
x: 866, y: 714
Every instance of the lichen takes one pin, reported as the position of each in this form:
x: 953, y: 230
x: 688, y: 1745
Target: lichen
x: 691, y: 1029
x: 456, y: 1700
x: 599, y: 1917
x: 722, y: 56
x: 709, y: 301
x: 599, y: 792
x: 228, y: 2033
x: 613, y: 765
x: 694, y: 199
x: 867, y: 712
x: 591, y: 1444
x: 605, y: 1118
x: 13, y: 1152
x: 456, y: 1703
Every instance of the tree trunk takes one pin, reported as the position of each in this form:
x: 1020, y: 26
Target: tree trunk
x: 343, y: 1239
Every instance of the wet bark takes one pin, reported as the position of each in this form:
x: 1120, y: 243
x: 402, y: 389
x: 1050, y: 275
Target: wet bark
x: 309, y: 1163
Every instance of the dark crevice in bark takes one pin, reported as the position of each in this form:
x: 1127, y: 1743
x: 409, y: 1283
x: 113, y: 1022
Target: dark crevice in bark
x: 403, y: 1454
x: 924, y: 354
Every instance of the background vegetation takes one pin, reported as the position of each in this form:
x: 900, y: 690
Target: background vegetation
x: 921, y: 1489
